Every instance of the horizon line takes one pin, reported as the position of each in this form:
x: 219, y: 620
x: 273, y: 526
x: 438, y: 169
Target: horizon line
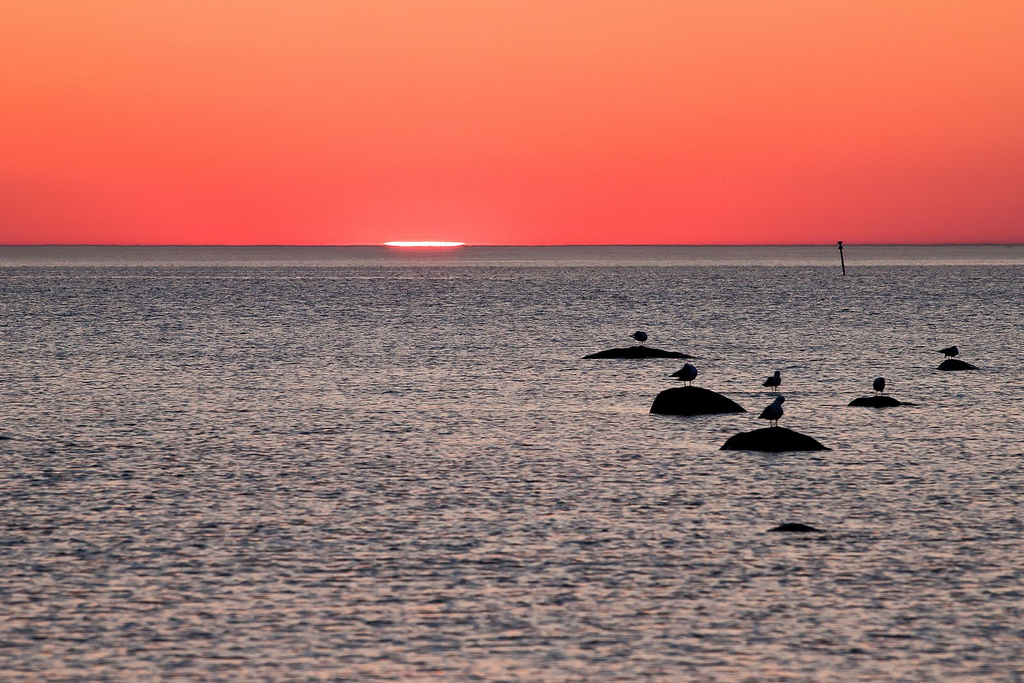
x: 473, y: 245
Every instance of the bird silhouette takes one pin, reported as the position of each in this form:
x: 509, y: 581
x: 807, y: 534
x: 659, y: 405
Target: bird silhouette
x: 640, y: 336
x: 774, y: 381
x: 688, y: 373
x: 950, y: 352
x: 879, y: 385
x: 773, y: 412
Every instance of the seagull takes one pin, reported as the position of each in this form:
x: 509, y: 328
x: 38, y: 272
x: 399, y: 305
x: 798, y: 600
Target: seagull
x: 773, y: 412
x: 640, y: 336
x: 879, y: 385
x: 774, y: 381
x: 950, y: 352
x: 687, y: 374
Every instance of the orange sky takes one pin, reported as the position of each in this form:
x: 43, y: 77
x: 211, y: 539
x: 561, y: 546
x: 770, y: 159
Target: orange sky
x: 517, y: 122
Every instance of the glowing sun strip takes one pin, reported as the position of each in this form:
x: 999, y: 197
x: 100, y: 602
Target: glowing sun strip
x: 424, y: 244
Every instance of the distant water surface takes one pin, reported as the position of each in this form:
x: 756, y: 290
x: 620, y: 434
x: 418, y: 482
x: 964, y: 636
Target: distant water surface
x: 367, y: 464
x: 654, y: 255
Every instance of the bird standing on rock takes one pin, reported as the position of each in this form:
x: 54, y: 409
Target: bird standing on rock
x: 688, y: 373
x: 774, y: 381
x: 773, y: 412
x: 879, y: 385
x: 950, y: 352
x: 640, y: 336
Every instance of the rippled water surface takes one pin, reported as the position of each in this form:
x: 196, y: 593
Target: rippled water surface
x: 357, y: 464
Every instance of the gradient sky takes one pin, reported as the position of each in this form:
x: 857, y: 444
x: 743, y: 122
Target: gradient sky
x: 518, y: 122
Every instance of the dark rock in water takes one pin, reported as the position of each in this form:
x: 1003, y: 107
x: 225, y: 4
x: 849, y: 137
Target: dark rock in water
x: 693, y: 401
x: 876, y: 402
x: 954, y: 364
x: 772, y: 440
x: 637, y: 352
x: 795, y: 527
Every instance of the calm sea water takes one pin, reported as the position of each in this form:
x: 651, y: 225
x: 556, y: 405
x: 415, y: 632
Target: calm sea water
x: 361, y: 464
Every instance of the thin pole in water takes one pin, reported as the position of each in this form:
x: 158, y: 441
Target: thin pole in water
x: 841, y: 259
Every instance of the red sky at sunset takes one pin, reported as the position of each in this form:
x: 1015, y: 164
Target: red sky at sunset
x: 517, y: 122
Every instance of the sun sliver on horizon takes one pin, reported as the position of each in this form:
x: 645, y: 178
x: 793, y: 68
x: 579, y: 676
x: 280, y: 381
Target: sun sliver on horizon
x: 425, y: 244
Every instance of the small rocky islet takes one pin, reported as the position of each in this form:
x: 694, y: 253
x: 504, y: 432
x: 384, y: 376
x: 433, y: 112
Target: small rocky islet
x: 635, y: 352
x: 640, y: 350
x: 772, y: 440
x: 876, y: 402
x: 693, y: 401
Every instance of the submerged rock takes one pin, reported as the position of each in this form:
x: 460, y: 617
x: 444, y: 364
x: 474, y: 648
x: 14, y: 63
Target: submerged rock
x: 795, y: 528
x: 693, y: 401
x: 772, y: 440
x: 637, y: 352
x: 954, y: 364
x: 876, y: 402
